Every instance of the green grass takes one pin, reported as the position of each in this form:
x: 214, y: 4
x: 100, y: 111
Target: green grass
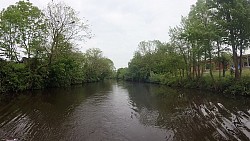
x: 245, y: 72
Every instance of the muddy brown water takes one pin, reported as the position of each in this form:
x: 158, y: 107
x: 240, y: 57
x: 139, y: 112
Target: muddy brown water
x: 124, y: 111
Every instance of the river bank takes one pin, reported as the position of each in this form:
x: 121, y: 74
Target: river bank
x: 223, y: 85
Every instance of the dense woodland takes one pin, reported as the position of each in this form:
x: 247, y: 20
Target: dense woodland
x: 39, y: 48
x: 214, y: 32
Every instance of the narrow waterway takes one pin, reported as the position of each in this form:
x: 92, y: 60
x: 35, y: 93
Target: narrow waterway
x: 124, y: 111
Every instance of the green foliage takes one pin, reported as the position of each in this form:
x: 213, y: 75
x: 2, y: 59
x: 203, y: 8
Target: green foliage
x: 223, y: 84
x: 59, y: 75
x: 199, y: 44
x: 14, y: 77
x: 241, y: 87
x: 97, y: 67
x: 122, y: 73
x: 21, y: 24
x: 46, y: 42
x: 152, y: 59
x: 156, y: 78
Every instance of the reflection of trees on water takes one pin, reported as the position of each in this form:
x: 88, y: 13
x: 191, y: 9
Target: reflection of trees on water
x: 41, y: 114
x: 189, y: 115
x: 228, y: 124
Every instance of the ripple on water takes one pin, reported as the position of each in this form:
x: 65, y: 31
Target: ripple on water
x: 126, y: 111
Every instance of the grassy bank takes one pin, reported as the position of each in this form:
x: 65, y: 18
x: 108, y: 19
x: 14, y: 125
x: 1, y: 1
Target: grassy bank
x: 225, y: 85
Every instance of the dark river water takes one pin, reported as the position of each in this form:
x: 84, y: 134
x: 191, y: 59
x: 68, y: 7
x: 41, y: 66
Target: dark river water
x: 113, y: 111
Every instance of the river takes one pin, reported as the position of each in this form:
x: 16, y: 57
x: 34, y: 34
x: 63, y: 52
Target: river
x: 124, y: 111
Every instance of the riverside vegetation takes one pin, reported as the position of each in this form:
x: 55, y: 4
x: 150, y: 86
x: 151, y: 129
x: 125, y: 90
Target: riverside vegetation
x: 38, y: 49
x: 214, y: 32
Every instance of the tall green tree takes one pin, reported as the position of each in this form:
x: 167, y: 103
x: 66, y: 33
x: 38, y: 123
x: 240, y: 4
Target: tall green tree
x: 22, y: 28
x: 232, y: 16
x: 63, y: 21
x: 96, y: 66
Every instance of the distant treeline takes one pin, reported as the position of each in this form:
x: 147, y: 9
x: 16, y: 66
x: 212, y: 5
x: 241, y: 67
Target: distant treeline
x: 210, y: 40
x: 39, y: 49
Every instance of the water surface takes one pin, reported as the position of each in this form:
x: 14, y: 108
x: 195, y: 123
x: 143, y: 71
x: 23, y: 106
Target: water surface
x: 124, y: 111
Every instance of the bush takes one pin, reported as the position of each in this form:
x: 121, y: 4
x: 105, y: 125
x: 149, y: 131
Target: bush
x: 58, y: 76
x: 156, y: 78
x: 241, y: 87
x: 14, y: 77
x: 226, y: 85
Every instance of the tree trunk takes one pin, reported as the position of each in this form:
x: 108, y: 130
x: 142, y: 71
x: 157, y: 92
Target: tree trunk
x: 210, y: 62
x: 199, y: 73
x: 194, y: 66
x: 218, y: 47
x: 241, y: 49
x: 205, y: 62
x: 224, y: 65
x: 53, y: 46
x: 235, y: 59
x: 185, y: 60
x: 234, y: 48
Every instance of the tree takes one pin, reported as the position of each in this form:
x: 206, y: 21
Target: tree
x: 97, y: 67
x: 122, y: 73
x: 232, y: 17
x: 8, y: 34
x: 178, y: 39
x: 225, y: 60
x: 62, y: 20
x: 47, y: 42
x: 22, y: 27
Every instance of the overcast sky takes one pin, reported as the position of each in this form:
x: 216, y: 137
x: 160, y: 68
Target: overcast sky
x: 119, y: 25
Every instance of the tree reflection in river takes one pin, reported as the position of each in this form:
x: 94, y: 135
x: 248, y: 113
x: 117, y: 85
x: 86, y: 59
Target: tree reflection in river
x: 191, y: 115
x: 125, y: 111
x: 39, y: 115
